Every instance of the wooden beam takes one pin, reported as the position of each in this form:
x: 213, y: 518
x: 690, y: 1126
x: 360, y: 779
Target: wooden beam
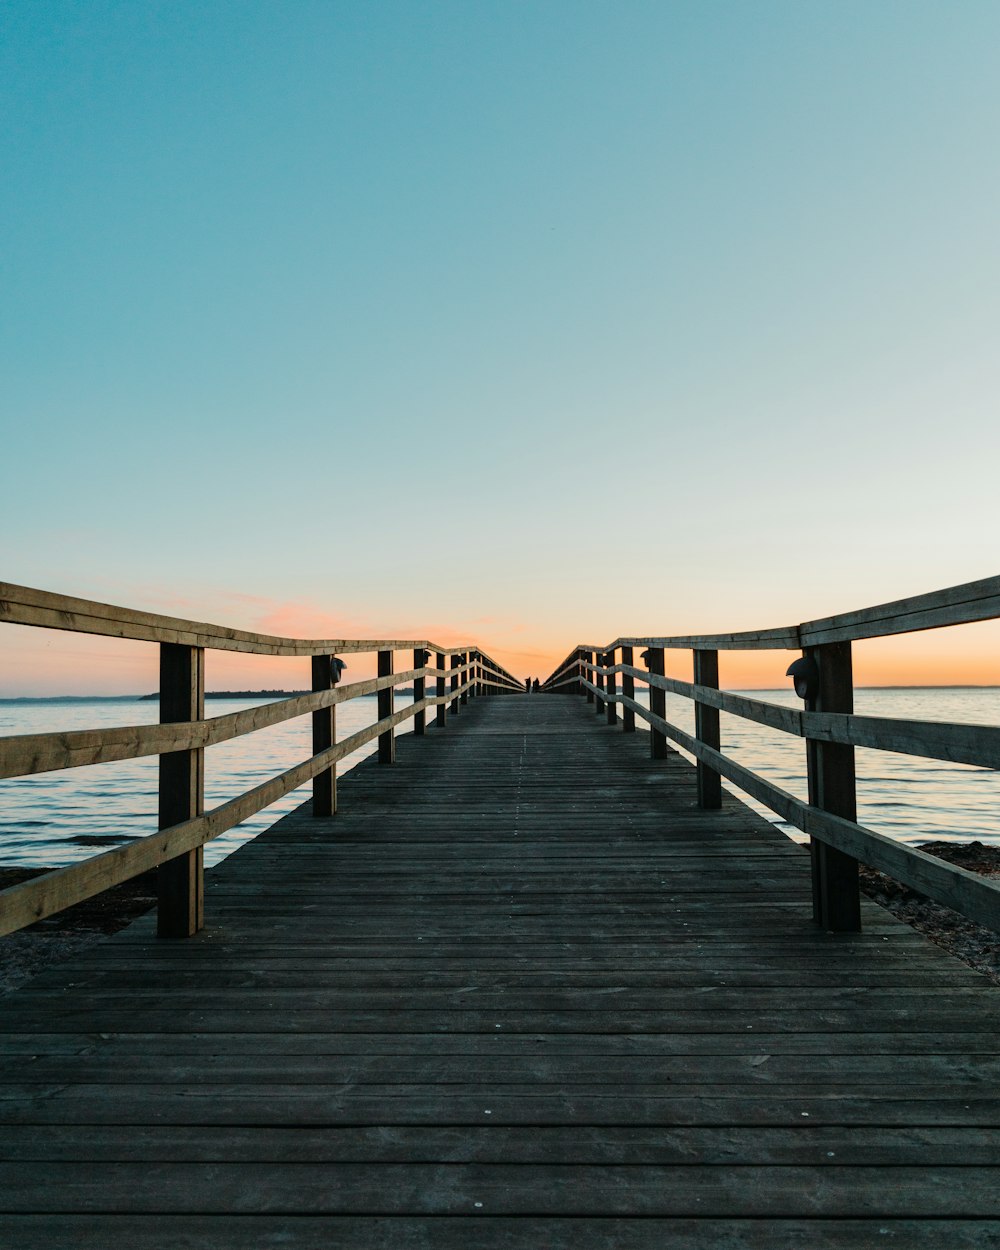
x: 419, y: 662
x: 832, y: 788
x: 628, y: 690
x: 441, y: 715
x: 612, y: 689
x: 706, y: 721
x: 657, y: 703
x: 387, y: 739
x: 324, y: 735
x: 180, y: 886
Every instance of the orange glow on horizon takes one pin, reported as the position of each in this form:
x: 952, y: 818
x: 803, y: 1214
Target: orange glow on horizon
x: 51, y: 662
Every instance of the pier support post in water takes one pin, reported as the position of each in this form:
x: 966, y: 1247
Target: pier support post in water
x: 706, y: 728
x: 180, y: 882
x: 441, y: 715
x: 386, y: 701
x: 628, y: 690
x: 611, y: 685
x: 419, y: 661
x: 588, y: 658
x: 657, y: 703
x: 324, y: 736
x: 832, y: 787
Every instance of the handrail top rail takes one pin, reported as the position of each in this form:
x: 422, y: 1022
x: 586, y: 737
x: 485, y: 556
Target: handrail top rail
x: 956, y: 605
x: 26, y: 605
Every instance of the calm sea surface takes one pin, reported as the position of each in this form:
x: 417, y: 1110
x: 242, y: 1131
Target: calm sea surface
x: 58, y: 818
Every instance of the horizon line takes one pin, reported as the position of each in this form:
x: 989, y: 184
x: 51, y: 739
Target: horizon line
x: 40, y: 698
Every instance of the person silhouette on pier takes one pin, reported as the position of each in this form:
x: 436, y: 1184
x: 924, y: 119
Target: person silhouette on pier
x: 534, y: 686
x: 527, y: 685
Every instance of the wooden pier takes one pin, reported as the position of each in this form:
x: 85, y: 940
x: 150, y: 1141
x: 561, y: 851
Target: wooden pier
x: 520, y: 991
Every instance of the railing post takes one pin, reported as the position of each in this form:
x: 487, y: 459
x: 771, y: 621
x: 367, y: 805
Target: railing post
x: 588, y: 657
x: 440, y: 715
x: 419, y: 661
x: 657, y: 703
x: 180, y: 882
x: 612, y: 687
x: 463, y: 660
x: 386, y: 702
x: 324, y: 736
x: 453, y: 703
x: 628, y: 690
x: 832, y: 787
x: 599, y: 683
x: 706, y: 728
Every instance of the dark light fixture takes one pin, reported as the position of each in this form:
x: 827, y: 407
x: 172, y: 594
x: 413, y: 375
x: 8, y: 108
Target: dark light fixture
x: 805, y: 677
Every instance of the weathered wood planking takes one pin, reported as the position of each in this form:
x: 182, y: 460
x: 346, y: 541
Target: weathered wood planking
x: 520, y: 991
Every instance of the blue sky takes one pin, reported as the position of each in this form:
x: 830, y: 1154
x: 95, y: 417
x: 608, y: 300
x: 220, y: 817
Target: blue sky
x: 543, y: 321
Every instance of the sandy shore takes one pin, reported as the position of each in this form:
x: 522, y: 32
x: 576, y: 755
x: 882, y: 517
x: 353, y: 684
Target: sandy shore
x: 24, y: 954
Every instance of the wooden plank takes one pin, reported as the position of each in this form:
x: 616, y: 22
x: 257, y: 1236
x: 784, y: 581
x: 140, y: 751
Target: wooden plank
x: 580, y: 1144
x: 488, y: 1232
x: 511, y: 1189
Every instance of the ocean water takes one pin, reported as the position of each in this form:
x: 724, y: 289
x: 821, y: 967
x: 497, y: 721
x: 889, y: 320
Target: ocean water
x: 59, y: 818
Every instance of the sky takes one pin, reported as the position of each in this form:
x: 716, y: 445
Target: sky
x: 518, y: 323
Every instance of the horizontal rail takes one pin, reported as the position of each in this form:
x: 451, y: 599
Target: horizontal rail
x: 978, y: 745
x: 24, y: 605
x: 955, y: 887
x: 956, y: 605
x: 23, y: 755
x: 33, y: 900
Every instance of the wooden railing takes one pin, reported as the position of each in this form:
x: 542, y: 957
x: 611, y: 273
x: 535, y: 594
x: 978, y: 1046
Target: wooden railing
x: 831, y: 731
x: 180, y: 739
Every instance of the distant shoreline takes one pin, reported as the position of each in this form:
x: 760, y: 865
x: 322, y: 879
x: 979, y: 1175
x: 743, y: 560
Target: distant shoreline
x: 288, y: 694
x: 147, y: 698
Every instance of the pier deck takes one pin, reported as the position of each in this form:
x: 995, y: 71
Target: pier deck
x: 520, y: 991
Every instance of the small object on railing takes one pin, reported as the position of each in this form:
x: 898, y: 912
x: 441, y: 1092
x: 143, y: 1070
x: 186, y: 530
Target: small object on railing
x: 804, y: 673
x: 337, y: 667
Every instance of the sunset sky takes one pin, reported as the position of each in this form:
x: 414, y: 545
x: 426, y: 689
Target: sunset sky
x: 522, y: 323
